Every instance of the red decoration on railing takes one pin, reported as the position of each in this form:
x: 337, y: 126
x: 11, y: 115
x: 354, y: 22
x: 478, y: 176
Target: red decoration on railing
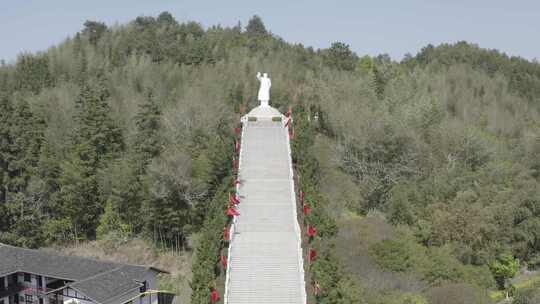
x: 224, y: 261
x: 233, y: 199
x: 312, y: 255
x: 236, y: 182
x: 312, y: 231
x: 231, y: 211
x: 235, y: 163
x: 214, y: 296
x: 307, y: 209
x: 302, y: 197
x: 237, y: 130
x: 289, y: 112
x: 226, y: 233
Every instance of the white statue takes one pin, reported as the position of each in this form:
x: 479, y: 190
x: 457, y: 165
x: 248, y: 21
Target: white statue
x: 264, y: 89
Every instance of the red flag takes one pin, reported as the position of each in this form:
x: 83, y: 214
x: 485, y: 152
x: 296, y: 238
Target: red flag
x: 289, y: 112
x: 307, y: 209
x: 226, y: 233
x: 231, y: 211
x: 224, y: 261
x: 312, y: 254
x: 235, y: 163
x: 237, y: 146
x: 312, y: 231
x: 214, y: 295
x: 237, y: 130
x: 236, y: 182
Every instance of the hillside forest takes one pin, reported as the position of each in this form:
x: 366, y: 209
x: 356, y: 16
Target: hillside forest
x: 424, y: 173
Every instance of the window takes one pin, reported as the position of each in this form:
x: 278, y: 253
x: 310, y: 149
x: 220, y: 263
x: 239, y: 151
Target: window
x: 40, y: 301
x: 27, y: 277
x: 2, y: 284
x: 39, y: 281
x: 28, y: 298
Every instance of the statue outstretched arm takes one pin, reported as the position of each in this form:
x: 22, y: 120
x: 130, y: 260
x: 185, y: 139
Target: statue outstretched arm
x: 259, y: 76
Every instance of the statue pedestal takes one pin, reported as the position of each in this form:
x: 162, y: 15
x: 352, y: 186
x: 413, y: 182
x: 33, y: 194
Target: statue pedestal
x: 264, y: 103
x: 263, y: 113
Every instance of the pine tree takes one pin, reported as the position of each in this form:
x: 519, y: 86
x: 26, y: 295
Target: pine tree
x: 32, y: 73
x: 147, y: 142
x: 6, y: 111
x: 96, y: 140
x: 26, y: 132
x: 255, y: 27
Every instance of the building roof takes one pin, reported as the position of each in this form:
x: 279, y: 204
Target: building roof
x: 100, y: 281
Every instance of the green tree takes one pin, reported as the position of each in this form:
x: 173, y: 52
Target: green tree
x: 26, y: 132
x: 340, y: 56
x: 6, y: 112
x: 95, y: 141
x: 94, y: 30
x: 255, y: 27
x: 148, y: 142
x: 400, y: 210
x: 365, y: 64
x: 503, y: 269
x: 32, y: 73
x: 166, y: 19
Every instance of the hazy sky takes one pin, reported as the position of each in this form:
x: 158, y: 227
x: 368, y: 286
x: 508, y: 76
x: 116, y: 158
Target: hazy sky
x: 369, y: 27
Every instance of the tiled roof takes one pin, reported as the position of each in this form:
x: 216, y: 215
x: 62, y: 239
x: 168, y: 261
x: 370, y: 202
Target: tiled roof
x: 101, y: 281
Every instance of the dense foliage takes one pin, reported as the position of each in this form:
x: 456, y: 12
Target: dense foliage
x: 125, y: 131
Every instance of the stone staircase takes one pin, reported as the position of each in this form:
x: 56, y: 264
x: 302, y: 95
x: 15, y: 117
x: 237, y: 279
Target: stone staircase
x: 265, y: 257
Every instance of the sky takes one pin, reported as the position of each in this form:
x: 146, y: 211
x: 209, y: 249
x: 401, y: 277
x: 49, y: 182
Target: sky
x: 370, y: 27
